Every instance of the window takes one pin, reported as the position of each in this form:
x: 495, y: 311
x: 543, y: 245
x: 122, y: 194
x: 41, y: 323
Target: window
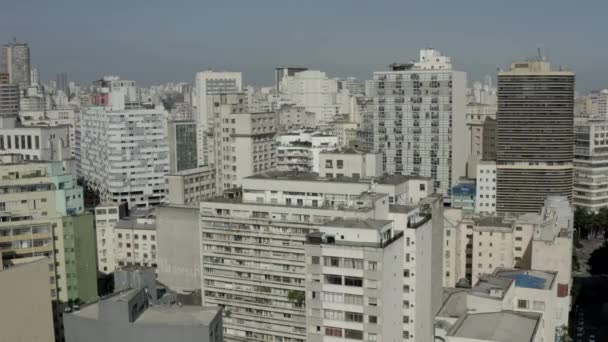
x: 406, y: 319
x: 314, y: 260
x: 372, y: 319
x: 406, y: 334
x: 372, y: 265
x: 406, y: 289
x: 406, y: 273
x: 538, y: 305
x: 353, y: 263
x: 353, y: 334
x: 335, y: 332
x: 422, y: 187
x: 333, y: 315
x: 353, y: 317
x: 340, y: 164
x: 353, y: 299
x: 372, y: 337
x: 353, y: 281
x: 333, y: 279
x: 329, y: 164
x: 371, y: 301
x: 522, y: 304
x: 331, y: 261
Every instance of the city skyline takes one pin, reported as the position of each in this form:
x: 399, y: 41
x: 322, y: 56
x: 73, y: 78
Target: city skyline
x: 348, y: 39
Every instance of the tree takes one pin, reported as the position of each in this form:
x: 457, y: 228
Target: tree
x: 597, y: 262
x: 296, y: 296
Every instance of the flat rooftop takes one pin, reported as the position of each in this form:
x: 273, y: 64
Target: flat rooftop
x: 137, y: 220
x: 489, y: 283
x: 494, y: 221
x: 404, y: 209
x: 358, y: 224
x: 503, y: 326
x: 531, y: 279
x: 315, y: 177
x: 178, y: 315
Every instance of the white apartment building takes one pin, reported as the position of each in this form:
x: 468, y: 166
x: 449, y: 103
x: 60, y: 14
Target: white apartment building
x: 37, y: 142
x: 293, y: 118
x: 481, y: 126
x: 486, y: 187
x: 300, y: 150
x: 350, y: 162
x: 352, y: 281
x: 126, y: 88
x: 591, y: 164
x: 314, y: 91
x: 54, y: 118
x: 211, y: 83
x: 124, y: 238
x: 418, y: 120
x: 346, y: 131
x: 189, y: 187
x: 124, y: 154
x: 253, y: 256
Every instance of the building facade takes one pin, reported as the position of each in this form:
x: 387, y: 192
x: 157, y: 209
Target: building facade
x: 418, y: 120
x: 15, y: 61
x: 591, y: 164
x: 182, y: 145
x: 535, y: 136
x: 486, y: 187
x: 124, y: 154
x: 189, y: 187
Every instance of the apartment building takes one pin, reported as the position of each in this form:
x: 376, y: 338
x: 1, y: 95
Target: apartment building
x: 37, y: 142
x: 69, y: 118
x: 535, y: 137
x: 418, y: 120
x: 189, y: 187
x: 292, y: 118
x: 300, y: 150
x: 42, y: 214
x: 350, y: 162
x: 124, y: 154
x: 486, y: 187
x: 481, y: 125
x: 346, y: 131
x: 315, y: 92
x: 125, y: 237
x: 590, y: 167
x: 253, y: 257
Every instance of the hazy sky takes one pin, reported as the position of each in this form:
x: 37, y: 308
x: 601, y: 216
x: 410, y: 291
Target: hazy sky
x: 153, y: 41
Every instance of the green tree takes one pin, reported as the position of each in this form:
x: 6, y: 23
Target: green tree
x: 597, y: 262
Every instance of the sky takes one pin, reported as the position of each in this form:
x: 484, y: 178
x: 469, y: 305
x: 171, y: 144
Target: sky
x: 154, y: 41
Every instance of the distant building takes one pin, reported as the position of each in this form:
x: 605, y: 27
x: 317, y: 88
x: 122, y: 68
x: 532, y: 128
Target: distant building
x: 54, y: 118
x: 136, y: 312
x: 15, y: 61
x: 350, y: 162
x: 294, y: 118
x: 591, y: 164
x: 189, y: 187
x: 300, y: 150
x: 281, y: 73
x: 26, y: 309
x: 346, y: 131
x: 535, y: 136
x: 182, y: 145
x: 481, y: 124
x: 314, y: 91
x: 63, y: 83
x: 463, y: 195
x: 486, y: 187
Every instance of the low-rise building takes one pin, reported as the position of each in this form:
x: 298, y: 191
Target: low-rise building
x: 137, y: 312
x: 135, y: 239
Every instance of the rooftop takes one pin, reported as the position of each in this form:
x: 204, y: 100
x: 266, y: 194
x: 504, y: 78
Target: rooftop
x: 404, y: 209
x: 144, y: 219
x: 490, y: 286
x: 504, y: 326
x: 531, y: 279
x: 493, y: 221
x: 315, y: 177
x: 359, y: 224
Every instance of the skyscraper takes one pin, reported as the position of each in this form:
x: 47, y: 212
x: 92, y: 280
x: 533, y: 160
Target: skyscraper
x: 63, y: 84
x: 535, y: 135
x: 418, y: 120
x: 15, y: 60
x: 9, y: 102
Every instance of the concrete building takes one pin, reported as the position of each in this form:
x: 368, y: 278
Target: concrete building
x: 26, y: 309
x: 300, y: 150
x: 590, y: 164
x: 346, y: 131
x: 486, y: 187
x: 9, y: 100
x: 253, y: 255
x: 178, y: 247
x: 15, y: 61
x: 124, y: 154
x: 294, y: 118
x: 136, y: 312
x: 535, y: 137
x: 124, y: 237
x: 481, y: 124
x: 69, y: 118
x: 499, y: 302
x: 62, y: 83
x: 418, y: 120
x: 37, y: 142
x: 42, y: 214
x: 350, y: 162
x: 281, y: 74
x: 315, y: 92
x: 182, y: 145
x: 211, y: 83
x: 464, y: 195
x: 189, y: 187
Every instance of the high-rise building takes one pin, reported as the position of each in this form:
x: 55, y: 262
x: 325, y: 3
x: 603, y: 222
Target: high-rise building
x: 535, y: 135
x: 15, y: 60
x: 418, y: 118
x: 43, y: 215
x: 300, y: 150
x: 281, y: 73
x: 182, y: 145
x: 254, y: 261
x: 591, y: 164
x: 211, y: 83
x: 124, y: 154
x: 9, y: 102
x: 63, y: 84
x: 314, y: 91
